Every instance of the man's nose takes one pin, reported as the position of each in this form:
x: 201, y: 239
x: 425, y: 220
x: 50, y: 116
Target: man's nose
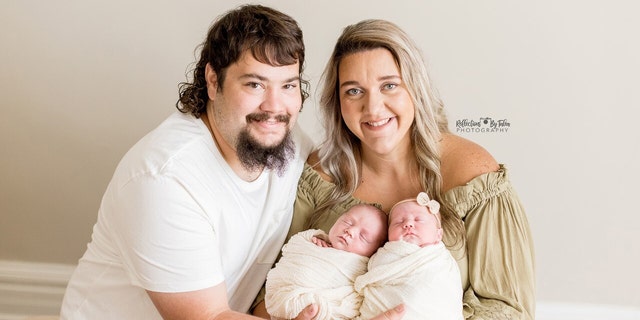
x: 273, y: 101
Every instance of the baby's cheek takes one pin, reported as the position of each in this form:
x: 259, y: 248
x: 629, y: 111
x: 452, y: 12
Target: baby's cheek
x: 393, y: 235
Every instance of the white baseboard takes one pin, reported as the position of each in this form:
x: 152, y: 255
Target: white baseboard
x: 31, y: 288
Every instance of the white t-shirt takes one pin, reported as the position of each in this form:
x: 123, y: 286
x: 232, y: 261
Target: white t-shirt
x: 175, y: 218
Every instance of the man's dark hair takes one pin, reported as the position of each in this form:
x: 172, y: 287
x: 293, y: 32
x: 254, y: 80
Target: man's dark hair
x: 271, y: 36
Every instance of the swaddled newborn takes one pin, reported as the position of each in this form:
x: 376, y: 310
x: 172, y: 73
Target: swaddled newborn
x: 414, y: 267
x: 320, y: 269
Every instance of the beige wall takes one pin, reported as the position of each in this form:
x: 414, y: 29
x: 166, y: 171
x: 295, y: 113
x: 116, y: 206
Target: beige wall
x: 81, y: 81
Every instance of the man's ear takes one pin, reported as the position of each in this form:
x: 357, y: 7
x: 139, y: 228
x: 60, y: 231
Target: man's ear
x: 212, y: 81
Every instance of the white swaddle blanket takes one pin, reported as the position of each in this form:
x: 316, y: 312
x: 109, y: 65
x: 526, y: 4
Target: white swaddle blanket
x: 307, y: 273
x: 425, y: 279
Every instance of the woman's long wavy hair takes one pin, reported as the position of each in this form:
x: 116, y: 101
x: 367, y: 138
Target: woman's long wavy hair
x: 270, y: 35
x: 338, y: 152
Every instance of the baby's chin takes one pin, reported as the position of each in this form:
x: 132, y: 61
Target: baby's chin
x: 413, y: 239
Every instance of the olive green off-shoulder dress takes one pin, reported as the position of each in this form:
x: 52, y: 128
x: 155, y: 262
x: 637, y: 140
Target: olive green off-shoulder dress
x: 497, y: 263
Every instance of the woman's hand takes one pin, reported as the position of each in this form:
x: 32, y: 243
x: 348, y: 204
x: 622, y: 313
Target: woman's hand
x: 391, y: 314
x: 308, y: 313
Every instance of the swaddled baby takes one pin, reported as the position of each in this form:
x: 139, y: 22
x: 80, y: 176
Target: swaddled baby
x: 414, y: 267
x: 320, y: 269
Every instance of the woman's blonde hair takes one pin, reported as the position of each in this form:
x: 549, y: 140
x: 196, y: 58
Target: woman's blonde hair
x: 338, y: 152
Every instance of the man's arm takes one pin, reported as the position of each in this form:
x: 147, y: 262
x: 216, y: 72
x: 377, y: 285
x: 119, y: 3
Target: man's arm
x: 205, y: 304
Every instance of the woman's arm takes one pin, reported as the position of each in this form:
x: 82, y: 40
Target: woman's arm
x: 501, y: 257
x: 499, y: 244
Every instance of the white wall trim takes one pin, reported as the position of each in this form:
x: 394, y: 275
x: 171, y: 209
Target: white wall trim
x: 31, y: 288
x: 558, y: 310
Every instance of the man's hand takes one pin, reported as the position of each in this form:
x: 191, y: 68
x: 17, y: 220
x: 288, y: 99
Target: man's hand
x: 393, y: 314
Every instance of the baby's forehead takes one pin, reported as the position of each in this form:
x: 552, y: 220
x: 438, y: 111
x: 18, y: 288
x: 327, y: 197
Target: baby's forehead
x: 364, y: 210
x: 408, y: 206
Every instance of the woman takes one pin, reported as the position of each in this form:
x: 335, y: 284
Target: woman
x: 387, y: 140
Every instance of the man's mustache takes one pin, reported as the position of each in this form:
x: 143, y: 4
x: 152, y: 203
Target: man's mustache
x: 266, y: 116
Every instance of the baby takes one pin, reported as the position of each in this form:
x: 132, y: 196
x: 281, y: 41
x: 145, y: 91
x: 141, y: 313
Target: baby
x: 320, y: 268
x: 414, y: 267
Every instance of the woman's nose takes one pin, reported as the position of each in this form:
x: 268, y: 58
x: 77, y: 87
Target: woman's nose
x: 373, y: 103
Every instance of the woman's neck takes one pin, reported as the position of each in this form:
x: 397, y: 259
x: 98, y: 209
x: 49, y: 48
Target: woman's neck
x: 398, y: 162
x: 388, y: 179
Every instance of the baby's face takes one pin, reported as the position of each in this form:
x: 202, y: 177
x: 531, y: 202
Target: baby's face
x: 413, y: 223
x: 360, y: 230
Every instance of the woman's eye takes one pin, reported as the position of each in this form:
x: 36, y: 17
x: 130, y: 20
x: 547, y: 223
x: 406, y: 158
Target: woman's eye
x: 390, y: 86
x: 353, y: 91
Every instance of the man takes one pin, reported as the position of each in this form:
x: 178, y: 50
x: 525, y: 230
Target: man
x: 198, y: 209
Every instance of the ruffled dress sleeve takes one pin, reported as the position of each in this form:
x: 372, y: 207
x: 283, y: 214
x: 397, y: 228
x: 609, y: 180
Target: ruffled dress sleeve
x: 500, y: 254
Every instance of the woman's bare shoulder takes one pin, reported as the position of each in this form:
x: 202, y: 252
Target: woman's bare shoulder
x: 314, y: 161
x: 462, y: 160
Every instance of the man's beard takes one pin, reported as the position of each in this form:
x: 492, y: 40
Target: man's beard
x: 254, y: 156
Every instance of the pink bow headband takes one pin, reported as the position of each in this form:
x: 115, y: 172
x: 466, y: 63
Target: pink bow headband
x: 423, y: 199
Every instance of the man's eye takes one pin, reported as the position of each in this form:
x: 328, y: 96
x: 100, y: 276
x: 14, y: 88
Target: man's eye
x: 290, y: 86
